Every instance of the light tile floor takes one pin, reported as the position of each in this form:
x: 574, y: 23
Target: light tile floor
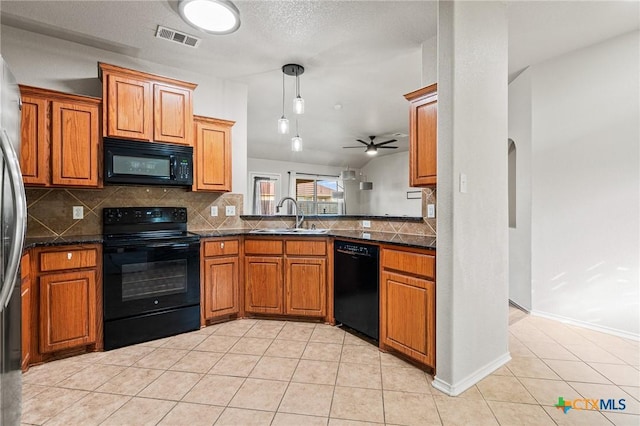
x: 257, y: 372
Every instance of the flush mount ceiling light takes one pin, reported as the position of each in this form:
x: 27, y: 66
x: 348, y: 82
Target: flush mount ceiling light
x: 211, y: 16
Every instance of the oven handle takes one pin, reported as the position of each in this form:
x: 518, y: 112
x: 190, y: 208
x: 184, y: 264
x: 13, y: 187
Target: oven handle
x: 171, y: 245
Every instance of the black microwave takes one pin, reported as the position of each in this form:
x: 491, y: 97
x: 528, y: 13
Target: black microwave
x: 147, y: 163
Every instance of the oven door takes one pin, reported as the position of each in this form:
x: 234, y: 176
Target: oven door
x: 145, y: 278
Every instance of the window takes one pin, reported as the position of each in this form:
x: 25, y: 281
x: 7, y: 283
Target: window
x: 320, y: 195
x: 265, y: 191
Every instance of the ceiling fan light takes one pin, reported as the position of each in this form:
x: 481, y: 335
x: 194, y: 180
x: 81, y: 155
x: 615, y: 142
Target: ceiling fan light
x: 211, y: 16
x: 283, y: 125
x: 296, y: 144
x: 298, y: 105
x: 371, y: 150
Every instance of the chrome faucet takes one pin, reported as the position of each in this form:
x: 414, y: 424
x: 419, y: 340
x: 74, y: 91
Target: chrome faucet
x: 300, y: 218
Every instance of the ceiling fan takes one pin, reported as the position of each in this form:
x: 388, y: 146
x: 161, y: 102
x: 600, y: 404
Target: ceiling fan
x: 372, y: 147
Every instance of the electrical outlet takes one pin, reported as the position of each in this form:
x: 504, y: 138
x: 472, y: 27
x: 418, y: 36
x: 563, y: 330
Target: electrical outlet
x: 431, y: 211
x: 366, y: 235
x: 214, y: 211
x: 230, y: 210
x: 366, y: 224
x: 78, y: 212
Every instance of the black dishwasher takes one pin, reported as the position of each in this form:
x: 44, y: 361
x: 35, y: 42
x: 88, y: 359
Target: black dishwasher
x: 356, y: 301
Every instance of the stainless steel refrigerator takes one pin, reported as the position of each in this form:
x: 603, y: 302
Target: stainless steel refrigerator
x: 13, y: 219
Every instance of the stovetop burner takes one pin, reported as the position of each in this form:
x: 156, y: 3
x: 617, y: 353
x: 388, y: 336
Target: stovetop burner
x: 137, y: 225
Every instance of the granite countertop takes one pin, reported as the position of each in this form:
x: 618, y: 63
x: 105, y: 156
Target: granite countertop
x: 408, y: 240
x: 334, y: 217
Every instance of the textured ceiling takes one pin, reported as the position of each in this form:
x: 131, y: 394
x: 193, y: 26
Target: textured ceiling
x: 363, y: 55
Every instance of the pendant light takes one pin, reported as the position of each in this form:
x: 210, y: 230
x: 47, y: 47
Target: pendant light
x: 296, y: 141
x: 364, y: 184
x: 283, y: 122
x: 296, y: 71
x: 348, y: 174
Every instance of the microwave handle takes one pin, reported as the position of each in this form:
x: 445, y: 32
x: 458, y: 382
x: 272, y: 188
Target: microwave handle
x: 172, y: 167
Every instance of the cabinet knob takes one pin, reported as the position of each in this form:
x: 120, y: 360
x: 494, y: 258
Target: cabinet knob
x: 69, y: 255
x: 221, y: 245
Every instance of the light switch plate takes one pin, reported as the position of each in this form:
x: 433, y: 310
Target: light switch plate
x: 366, y: 224
x: 78, y: 212
x: 214, y: 211
x: 230, y: 210
x: 431, y: 211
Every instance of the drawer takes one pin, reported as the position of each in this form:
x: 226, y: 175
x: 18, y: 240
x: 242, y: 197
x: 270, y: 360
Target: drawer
x: 308, y: 248
x: 263, y: 247
x: 221, y: 248
x: 68, y: 259
x: 420, y: 264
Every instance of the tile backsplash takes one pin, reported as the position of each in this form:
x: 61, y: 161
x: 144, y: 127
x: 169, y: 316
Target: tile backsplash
x: 50, y: 211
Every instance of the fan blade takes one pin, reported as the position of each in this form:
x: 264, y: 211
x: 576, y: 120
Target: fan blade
x: 361, y: 141
x: 384, y: 143
x: 359, y: 147
x: 387, y: 147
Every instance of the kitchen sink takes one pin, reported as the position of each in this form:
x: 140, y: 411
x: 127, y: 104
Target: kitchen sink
x: 294, y: 231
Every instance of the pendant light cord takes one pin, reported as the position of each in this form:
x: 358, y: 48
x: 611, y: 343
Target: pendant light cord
x: 283, y: 93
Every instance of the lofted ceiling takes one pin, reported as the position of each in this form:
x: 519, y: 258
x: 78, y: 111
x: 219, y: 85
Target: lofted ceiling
x: 362, y: 55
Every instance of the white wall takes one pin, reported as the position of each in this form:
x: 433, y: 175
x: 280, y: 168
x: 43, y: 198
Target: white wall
x: 390, y: 177
x: 586, y: 186
x: 520, y: 236
x: 472, y: 260
x: 260, y: 165
x: 430, y: 61
x: 43, y: 61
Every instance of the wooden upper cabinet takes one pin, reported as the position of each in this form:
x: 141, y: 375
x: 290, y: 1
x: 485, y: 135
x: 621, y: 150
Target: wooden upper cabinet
x: 128, y: 108
x: 146, y: 107
x: 61, y: 139
x: 423, y: 136
x: 212, y: 152
x: 172, y: 114
x: 74, y: 144
x: 34, y: 156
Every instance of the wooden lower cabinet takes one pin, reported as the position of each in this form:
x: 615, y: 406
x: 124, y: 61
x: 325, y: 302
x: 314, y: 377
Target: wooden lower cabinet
x: 305, y: 286
x: 286, y: 276
x: 263, y: 284
x: 62, y: 313
x: 67, y: 310
x: 407, y: 303
x: 220, y: 281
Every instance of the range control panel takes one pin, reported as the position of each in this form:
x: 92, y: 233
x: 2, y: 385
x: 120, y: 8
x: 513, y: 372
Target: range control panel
x: 142, y: 215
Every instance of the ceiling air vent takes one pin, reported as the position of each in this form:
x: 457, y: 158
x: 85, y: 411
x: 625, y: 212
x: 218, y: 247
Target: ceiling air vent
x: 177, y: 36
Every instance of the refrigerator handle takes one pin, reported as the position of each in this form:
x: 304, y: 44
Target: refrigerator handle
x: 15, y: 253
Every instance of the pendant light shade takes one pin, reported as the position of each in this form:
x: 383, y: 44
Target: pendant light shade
x: 298, y: 105
x: 296, y: 144
x: 296, y: 141
x: 348, y: 174
x: 366, y: 186
x: 283, y: 123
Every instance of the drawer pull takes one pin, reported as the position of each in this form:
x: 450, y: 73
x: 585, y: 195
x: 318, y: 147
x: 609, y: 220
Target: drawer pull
x: 69, y: 255
x: 221, y: 245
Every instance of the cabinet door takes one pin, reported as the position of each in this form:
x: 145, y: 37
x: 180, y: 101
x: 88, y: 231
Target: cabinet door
x: 34, y: 155
x: 129, y: 108
x: 263, y: 284
x: 408, y: 316
x: 172, y: 114
x: 25, y: 288
x: 213, y: 157
x: 305, y: 286
x: 423, y: 140
x: 74, y: 145
x: 67, y: 310
x: 220, y: 286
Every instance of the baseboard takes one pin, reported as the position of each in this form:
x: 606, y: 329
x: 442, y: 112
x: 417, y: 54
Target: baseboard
x: 522, y: 308
x: 584, y: 324
x: 473, y: 378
